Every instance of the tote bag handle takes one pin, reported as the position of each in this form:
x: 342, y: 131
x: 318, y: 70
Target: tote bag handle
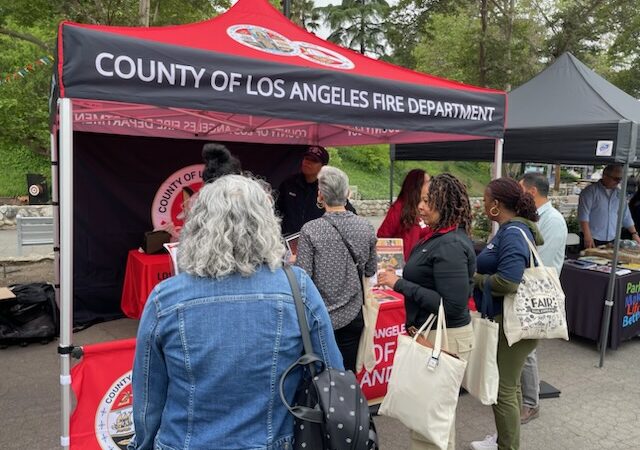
x: 532, y: 250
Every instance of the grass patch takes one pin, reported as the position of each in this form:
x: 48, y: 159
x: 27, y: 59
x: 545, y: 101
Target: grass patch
x: 374, y: 184
x: 17, y: 161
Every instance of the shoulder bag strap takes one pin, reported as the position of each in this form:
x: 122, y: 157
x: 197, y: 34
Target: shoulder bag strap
x: 302, y: 318
x: 534, y: 258
x: 353, y: 256
x: 346, y: 244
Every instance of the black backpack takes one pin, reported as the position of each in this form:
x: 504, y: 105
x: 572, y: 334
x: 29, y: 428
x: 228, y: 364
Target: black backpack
x: 30, y: 317
x: 330, y: 410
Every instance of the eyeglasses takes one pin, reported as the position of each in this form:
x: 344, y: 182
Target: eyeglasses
x: 617, y: 179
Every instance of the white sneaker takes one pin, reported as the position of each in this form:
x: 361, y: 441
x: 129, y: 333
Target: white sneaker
x: 490, y: 443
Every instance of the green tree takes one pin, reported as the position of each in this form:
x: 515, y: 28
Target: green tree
x: 357, y: 24
x: 406, y: 25
x: 305, y: 14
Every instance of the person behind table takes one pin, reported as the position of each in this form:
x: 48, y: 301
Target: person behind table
x: 297, y: 194
x: 500, y: 269
x: 553, y: 229
x: 218, y: 161
x: 440, y: 267
x: 598, y: 210
x: 324, y: 255
x: 215, y: 339
x: 402, y: 219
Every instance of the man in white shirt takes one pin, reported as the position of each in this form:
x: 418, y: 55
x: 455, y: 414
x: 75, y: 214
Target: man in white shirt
x: 553, y: 228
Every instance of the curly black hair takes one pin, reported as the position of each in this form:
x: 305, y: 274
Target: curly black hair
x: 449, y: 197
x: 218, y: 162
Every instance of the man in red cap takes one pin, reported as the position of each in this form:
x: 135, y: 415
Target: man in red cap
x: 297, y: 198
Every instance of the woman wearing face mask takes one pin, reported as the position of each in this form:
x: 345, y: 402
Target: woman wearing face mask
x: 440, y: 267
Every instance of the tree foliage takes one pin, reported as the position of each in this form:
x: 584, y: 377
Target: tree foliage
x: 357, y: 24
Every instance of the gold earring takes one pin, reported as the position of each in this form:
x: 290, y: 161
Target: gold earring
x: 494, y: 214
x: 319, y: 204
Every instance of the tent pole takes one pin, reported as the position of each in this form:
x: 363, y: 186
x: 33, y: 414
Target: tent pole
x: 66, y: 261
x: 497, y: 173
x: 392, y: 158
x: 609, y: 300
x: 286, y: 8
x: 55, y: 199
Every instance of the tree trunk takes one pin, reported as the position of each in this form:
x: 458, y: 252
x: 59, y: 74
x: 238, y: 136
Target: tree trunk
x: 144, y: 12
x: 556, y: 184
x: 482, y: 53
x: 508, y: 37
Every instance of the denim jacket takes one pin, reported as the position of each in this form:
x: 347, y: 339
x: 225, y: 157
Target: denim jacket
x: 209, y: 357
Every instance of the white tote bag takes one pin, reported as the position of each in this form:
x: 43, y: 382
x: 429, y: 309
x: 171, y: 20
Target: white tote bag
x: 424, y: 385
x: 481, y: 379
x: 366, y: 356
x: 536, y: 310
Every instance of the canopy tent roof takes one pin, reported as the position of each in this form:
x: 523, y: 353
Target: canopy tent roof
x: 251, y: 75
x: 565, y: 115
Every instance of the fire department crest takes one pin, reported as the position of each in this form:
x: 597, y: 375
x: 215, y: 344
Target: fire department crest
x: 114, y: 419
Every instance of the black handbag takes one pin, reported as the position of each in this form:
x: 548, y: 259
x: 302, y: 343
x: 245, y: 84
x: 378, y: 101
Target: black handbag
x: 330, y: 411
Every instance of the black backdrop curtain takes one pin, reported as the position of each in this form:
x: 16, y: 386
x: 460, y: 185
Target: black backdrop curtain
x: 115, y: 181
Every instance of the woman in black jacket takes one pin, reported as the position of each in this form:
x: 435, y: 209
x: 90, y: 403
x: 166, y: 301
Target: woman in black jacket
x: 440, y: 266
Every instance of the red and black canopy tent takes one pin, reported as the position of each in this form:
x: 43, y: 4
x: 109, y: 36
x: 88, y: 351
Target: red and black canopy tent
x: 130, y: 105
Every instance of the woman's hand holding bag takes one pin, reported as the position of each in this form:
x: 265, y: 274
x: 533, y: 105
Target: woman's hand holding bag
x: 425, y: 383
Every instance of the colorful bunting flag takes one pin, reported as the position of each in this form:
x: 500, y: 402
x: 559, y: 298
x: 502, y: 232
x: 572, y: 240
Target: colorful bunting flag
x: 21, y: 73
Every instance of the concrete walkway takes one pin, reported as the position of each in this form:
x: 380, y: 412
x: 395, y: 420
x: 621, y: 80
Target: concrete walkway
x: 9, y: 246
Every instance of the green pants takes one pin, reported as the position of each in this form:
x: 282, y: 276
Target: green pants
x: 507, y: 410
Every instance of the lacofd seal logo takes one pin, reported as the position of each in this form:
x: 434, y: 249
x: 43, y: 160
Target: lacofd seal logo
x: 114, y: 418
x: 269, y: 41
x: 173, y: 196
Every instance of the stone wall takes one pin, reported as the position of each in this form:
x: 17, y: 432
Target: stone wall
x: 8, y: 213
x: 371, y: 207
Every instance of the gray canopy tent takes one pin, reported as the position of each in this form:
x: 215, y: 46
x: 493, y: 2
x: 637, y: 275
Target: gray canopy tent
x: 567, y: 114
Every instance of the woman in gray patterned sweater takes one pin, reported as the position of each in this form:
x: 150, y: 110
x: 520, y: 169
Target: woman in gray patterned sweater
x: 329, y: 249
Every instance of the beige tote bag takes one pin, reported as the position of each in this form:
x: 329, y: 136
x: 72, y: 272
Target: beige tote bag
x: 424, y: 384
x: 536, y: 310
x: 366, y: 356
x: 481, y: 378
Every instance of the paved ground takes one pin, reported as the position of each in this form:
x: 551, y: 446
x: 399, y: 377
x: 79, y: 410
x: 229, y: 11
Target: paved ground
x: 598, y: 408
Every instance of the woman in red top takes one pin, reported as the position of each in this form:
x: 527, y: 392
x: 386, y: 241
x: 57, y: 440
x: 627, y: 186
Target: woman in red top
x: 402, y: 219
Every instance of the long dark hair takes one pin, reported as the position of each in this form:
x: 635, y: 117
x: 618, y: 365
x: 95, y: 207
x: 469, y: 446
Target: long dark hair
x: 218, y: 162
x: 410, y: 197
x: 449, y: 197
x: 508, y: 192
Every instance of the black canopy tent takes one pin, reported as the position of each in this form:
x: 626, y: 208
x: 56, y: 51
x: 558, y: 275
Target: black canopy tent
x: 567, y: 114
x: 558, y: 116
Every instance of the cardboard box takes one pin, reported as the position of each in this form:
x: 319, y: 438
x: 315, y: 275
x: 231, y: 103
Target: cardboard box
x: 6, y: 294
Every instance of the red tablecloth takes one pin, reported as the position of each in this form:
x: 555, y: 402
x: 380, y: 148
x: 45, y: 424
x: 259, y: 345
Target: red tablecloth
x: 142, y: 274
x: 145, y: 271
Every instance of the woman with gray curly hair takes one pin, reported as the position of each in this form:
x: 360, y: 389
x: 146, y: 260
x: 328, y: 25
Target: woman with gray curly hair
x: 334, y: 250
x: 214, y: 340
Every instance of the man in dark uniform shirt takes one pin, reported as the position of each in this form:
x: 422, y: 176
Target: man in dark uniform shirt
x: 298, y: 194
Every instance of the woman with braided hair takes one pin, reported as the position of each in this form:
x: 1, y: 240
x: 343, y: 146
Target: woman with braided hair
x: 441, y: 266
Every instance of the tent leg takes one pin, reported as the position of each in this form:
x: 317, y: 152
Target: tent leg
x: 66, y: 261
x: 608, y: 303
x: 497, y: 173
x: 392, y: 158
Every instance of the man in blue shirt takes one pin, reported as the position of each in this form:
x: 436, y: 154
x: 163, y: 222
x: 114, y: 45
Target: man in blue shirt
x: 553, y: 229
x: 598, y: 210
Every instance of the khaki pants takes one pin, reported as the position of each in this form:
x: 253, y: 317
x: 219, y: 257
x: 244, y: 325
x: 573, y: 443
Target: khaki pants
x: 460, y: 343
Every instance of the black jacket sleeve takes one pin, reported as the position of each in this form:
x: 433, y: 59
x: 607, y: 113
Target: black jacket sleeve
x: 451, y: 282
